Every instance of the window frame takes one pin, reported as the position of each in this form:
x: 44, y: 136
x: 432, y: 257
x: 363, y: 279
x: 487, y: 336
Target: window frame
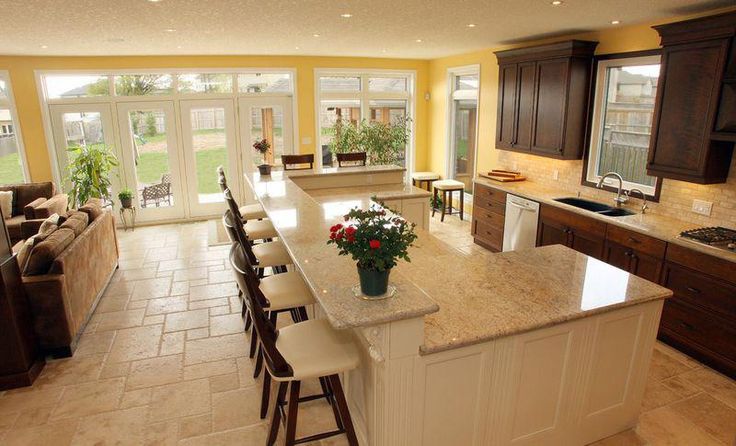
x: 11, y: 105
x: 365, y: 96
x: 595, y: 119
x: 452, y: 94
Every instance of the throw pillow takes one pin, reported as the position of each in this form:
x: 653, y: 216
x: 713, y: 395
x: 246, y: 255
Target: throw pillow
x: 6, y: 203
x: 50, y: 223
x: 45, y: 252
x: 76, y: 221
x: 92, y: 209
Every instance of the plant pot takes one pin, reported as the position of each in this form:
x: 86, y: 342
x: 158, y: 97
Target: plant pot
x: 127, y: 203
x: 265, y: 169
x: 373, y: 283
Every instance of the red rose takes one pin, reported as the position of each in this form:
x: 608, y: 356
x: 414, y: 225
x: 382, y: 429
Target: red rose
x: 350, y: 230
x: 332, y: 236
x: 339, y: 235
x: 374, y: 244
x: 351, y: 238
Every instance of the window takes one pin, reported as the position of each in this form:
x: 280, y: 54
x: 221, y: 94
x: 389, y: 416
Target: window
x: 205, y: 83
x: 143, y: 84
x: 11, y: 153
x: 355, y: 97
x: 69, y: 86
x: 462, y: 124
x: 626, y: 88
x: 264, y: 83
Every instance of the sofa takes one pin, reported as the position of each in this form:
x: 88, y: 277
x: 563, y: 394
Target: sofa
x: 32, y: 201
x: 65, y: 272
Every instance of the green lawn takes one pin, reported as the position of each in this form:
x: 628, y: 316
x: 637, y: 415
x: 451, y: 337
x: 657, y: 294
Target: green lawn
x: 152, y: 165
x: 10, y: 169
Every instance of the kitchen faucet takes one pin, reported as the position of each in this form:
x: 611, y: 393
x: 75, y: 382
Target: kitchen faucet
x: 619, y: 198
x: 643, y: 197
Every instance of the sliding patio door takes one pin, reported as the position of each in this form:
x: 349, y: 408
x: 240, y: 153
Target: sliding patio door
x: 208, y: 139
x: 151, y: 156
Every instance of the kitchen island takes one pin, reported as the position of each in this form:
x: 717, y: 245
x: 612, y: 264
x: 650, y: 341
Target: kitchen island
x: 543, y: 346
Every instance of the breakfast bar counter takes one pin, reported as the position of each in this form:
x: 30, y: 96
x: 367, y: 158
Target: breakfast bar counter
x: 544, y: 346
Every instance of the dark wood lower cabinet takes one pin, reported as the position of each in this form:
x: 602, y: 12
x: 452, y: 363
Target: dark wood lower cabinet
x: 489, y: 213
x: 560, y: 227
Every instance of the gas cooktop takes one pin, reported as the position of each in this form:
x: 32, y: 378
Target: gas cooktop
x: 717, y: 237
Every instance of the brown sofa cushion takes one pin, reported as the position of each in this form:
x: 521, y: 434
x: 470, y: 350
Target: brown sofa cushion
x: 76, y: 221
x: 25, y: 193
x: 93, y: 209
x: 13, y: 226
x: 30, y: 209
x: 44, y: 252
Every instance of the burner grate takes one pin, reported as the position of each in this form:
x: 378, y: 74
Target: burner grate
x: 711, y: 236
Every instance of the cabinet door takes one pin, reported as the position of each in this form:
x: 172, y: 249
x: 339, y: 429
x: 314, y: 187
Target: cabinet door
x: 683, y: 117
x: 552, y: 232
x: 549, y: 113
x: 507, y: 90
x: 617, y: 256
x: 587, y: 243
x: 525, y: 106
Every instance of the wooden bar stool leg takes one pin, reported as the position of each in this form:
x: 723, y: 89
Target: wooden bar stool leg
x: 291, y: 415
x: 434, y: 202
x: 276, y: 417
x: 253, y: 342
x: 413, y: 182
x: 342, y: 406
x: 462, y: 204
x: 266, y: 396
x: 444, y: 205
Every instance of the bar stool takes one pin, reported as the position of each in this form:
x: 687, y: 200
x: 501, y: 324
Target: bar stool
x: 447, y: 187
x: 247, y: 211
x: 298, y: 162
x: 351, y: 159
x: 306, y: 350
x: 417, y: 178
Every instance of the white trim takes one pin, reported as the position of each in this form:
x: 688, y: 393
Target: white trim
x: 452, y: 72
x: 365, y: 96
x: 601, y: 88
x: 5, y: 75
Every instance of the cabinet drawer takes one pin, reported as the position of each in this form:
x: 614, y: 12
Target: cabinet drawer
x: 490, y: 218
x: 707, y: 331
x: 638, y: 242
x: 720, y: 268
x: 489, y: 198
x: 491, y: 235
x: 700, y: 289
x: 573, y: 220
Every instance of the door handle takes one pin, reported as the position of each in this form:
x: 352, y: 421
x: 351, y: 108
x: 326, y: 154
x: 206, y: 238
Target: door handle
x: 633, y: 240
x: 693, y: 290
x: 516, y: 205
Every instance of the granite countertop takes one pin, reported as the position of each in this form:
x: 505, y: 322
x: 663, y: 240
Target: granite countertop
x: 464, y: 299
x: 651, y: 224
x: 347, y: 170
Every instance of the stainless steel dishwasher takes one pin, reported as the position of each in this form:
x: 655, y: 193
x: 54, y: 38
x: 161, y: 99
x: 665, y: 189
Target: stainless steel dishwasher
x: 520, y: 226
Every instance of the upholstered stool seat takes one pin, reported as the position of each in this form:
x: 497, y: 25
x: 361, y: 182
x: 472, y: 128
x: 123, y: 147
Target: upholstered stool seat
x: 285, y: 291
x: 271, y: 254
x: 252, y: 212
x: 417, y: 178
x: 314, y: 349
x: 447, y: 187
x: 260, y: 229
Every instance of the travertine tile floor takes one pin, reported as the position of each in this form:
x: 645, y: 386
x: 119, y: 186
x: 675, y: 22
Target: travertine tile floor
x: 164, y: 361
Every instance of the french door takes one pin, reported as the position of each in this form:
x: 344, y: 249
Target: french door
x: 267, y: 118
x: 208, y: 140
x: 81, y: 125
x: 151, y: 156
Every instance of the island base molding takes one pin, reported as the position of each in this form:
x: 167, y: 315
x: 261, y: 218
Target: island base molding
x: 567, y: 384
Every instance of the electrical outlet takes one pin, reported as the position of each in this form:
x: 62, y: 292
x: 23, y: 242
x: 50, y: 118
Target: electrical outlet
x: 555, y: 174
x: 702, y: 207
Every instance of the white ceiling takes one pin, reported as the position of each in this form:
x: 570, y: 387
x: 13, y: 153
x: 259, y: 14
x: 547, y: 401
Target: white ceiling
x: 378, y: 28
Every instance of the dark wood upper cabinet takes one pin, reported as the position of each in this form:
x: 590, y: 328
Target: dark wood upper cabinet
x: 694, y: 126
x: 543, y: 99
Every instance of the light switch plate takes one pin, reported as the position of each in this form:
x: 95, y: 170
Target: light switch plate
x: 306, y: 140
x: 702, y: 207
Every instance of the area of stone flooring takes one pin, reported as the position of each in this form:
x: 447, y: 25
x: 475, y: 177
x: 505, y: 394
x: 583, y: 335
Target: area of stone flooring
x: 164, y: 361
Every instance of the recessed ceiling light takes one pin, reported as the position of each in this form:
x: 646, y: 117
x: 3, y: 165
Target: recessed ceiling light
x: 419, y: 41
x: 170, y: 30
x: 383, y: 50
x: 154, y: 1
x: 615, y: 22
x: 346, y: 15
x: 44, y: 46
x: 556, y: 2
x: 315, y: 35
x: 471, y: 25
x: 296, y: 47
x: 178, y: 47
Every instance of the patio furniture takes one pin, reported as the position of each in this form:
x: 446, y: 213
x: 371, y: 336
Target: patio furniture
x: 158, y: 193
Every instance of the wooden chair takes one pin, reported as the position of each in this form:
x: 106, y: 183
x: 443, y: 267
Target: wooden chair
x: 351, y: 159
x: 306, y: 350
x: 298, y: 162
x: 447, y: 187
x: 255, y: 228
x: 248, y: 211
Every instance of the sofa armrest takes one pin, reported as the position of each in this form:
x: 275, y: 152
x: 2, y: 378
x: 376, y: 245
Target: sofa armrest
x: 54, y: 205
x: 29, y: 210
x: 47, y: 296
x: 29, y: 228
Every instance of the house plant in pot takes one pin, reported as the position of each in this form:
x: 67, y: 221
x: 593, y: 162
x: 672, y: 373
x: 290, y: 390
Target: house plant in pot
x: 262, y: 146
x: 126, y: 198
x: 376, y: 240
x: 89, y: 173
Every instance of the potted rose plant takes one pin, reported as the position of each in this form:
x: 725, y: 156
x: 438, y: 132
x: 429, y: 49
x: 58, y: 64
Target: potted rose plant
x: 262, y: 147
x: 376, y: 241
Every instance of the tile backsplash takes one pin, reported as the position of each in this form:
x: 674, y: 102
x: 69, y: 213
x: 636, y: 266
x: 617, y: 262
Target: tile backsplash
x: 676, y: 199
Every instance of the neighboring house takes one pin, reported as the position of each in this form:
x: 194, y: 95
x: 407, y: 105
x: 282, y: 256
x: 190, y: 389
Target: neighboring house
x: 6, y: 123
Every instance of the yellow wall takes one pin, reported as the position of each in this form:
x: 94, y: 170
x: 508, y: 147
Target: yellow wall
x: 22, y: 78
x: 611, y: 40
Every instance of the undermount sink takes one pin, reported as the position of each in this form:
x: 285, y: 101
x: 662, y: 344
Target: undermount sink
x: 594, y: 206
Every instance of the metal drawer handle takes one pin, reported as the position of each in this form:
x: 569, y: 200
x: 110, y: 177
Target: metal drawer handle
x: 693, y: 290
x: 686, y: 325
x: 633, y: 240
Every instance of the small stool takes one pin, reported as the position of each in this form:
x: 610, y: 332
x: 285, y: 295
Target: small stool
x: 448, y: 187
x: 417, y: 178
